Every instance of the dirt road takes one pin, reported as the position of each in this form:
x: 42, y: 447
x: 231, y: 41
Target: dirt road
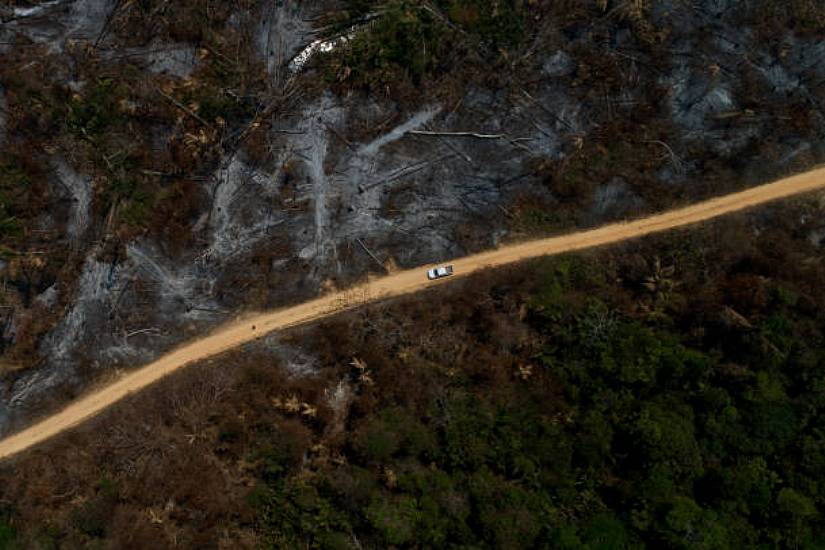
x: 403, y: 282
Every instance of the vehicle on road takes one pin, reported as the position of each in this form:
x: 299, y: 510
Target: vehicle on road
x: 438, y: 272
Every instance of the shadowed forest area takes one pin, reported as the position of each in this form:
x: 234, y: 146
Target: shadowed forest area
x: 661, y: 393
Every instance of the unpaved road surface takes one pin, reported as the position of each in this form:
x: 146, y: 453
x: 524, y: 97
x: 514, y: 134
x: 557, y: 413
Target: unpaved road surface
x: 396, y: 284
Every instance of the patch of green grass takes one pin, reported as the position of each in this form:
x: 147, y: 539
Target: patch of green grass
x: 217, y: 104
x: 48, y: 537
x: 12, y: 177
x: 6, y: 252
x: 497, y: 23
x: 126, y: 189
x: 358, y: 8
x: 534, y: 220
x: 92, y: 517
x: 8, y: 537
x: 90, y: 116
x: 406, y: 40
x: 9, y: 224
x: 13, y: 181
x: 412, y: 40
x: 137, y: 210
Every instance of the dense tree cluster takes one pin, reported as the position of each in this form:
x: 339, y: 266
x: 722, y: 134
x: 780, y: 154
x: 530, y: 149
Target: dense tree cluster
x: 623, y: 431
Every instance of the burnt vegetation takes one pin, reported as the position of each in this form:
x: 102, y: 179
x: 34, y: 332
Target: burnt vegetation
x: 663, y: 394
x: 642, y: 106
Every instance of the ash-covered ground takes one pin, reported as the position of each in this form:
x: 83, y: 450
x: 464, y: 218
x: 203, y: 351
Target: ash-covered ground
x: 592, y: 123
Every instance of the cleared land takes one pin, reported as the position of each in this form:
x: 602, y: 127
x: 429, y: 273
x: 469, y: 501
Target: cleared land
x: 403, y: 282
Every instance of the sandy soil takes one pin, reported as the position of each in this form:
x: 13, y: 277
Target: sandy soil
x: 403, y: 282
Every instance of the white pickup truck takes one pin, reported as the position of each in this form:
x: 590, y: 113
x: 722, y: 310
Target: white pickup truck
x: 438, y: 272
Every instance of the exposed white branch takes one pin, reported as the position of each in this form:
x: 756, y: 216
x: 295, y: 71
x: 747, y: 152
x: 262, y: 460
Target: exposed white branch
x: 458, y: 134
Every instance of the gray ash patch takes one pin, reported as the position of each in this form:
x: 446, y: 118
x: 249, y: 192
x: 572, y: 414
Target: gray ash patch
x: 615, y: 198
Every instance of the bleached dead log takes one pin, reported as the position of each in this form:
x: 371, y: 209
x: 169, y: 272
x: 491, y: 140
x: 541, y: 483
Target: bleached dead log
x: 373, y: 256
x: 457, y: 134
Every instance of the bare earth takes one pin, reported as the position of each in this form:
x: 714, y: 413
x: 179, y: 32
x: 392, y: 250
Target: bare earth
x: 402, y: 282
